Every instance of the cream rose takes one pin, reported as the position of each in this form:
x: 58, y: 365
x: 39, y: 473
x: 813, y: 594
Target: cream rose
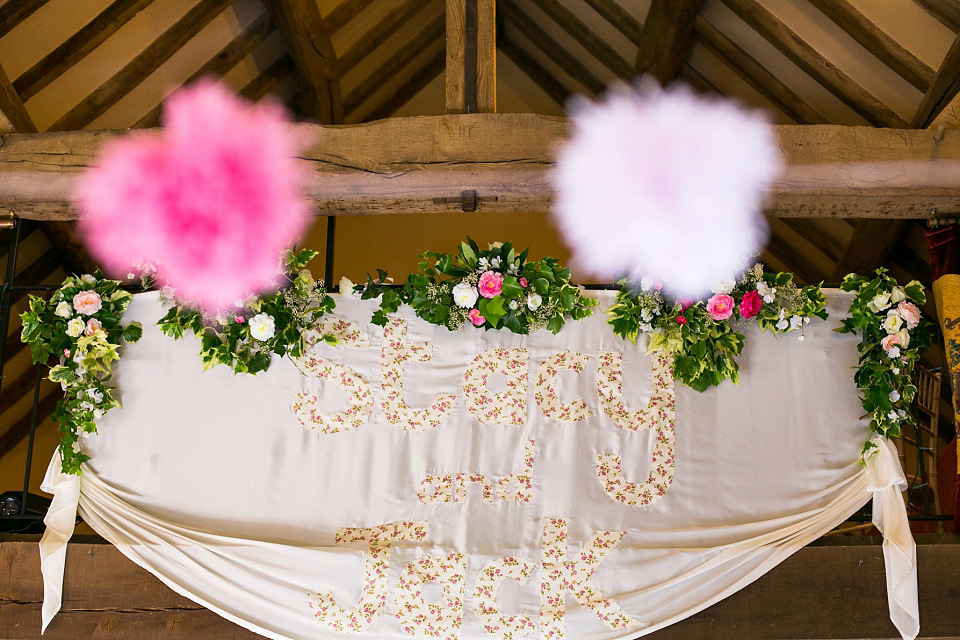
x: 64, y: 310
x: 262, y: 326
x: 910, y: 314
x: 75, y: 327
x: 465, y: 295
x: 88, y: 279
x: 903, y: 338
x: 87, y: 302
x: 534, y: 301
x: 897, y: 295
x: 893, y: 321
x: 880, y: 302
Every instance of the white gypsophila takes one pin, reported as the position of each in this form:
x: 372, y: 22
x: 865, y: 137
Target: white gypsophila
x: 262, y: 326
x: 88, y: 279
x: 534, y: 301
x: 880, y: 302
x: 75, y: 327
x: 665, y: 183
x: 893, y: 321
x: 465, y: 295
x: 346, y: 288
x: 64, y: 310
x: 897, y: 295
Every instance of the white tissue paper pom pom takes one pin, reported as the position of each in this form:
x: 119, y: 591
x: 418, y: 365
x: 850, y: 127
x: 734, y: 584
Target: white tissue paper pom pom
x: 666, y: 184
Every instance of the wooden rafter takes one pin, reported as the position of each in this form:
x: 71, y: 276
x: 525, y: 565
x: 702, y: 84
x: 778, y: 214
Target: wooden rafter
x: 877, y: 42
x: 826, y: 244
x: 471, y: 85
x: 534, y: 70
x: 344, y: 12
x: 402, y: 165
x: 21, y: 428
x: 427, y: 74
x: 309, y: 44
x: 13, y: 115
x: 753, y: 73
x: 943, y: 89
x: 590, y: 41
x: 77, y: 46
x: 428, y: 36
x: 149, y: 60
x: 221, y: 62
x: 814, y: 64
x: 946, y: 11
x: 869, y: 247
x: 268, y: 79
x: 615, y: 14
x: 542, y: 40
x: 390, y: 24
x: 667, y: 38
x: 785, y: 252
x: 13, y: 12
x: 696, y: 79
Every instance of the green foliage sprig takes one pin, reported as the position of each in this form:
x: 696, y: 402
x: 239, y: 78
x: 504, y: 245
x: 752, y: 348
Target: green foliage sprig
x: 893, y: 333
x: 79, y: 326
x: 245, y: 337
x: 703, y: 335
x: 494, y: 288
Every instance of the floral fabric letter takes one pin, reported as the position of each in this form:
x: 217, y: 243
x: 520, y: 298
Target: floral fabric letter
x: 546, y: 396
x: 485, y: 598
x: 557, y: 574
x: 659, y: 410
x: 518, y: 487
x: 396, y: 353
x: 427, y: 619
x: 376, y: 569
x: 510, y: 405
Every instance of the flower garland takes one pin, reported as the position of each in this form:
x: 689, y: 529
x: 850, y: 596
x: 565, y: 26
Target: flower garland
x: 493, y: 289
x: 703, y: 335
x: 245, y: 338
x: 893, y: 334
x: 80, y: 325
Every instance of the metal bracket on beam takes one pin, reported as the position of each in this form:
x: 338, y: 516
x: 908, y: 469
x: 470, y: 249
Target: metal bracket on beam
x: 9, y: 221
x: 468, y: 200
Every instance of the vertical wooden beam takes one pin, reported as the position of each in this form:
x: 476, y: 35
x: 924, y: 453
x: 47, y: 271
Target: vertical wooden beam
x: 13, y: 115
x: 309, y: 44
x: 667, y: 38
x: 945, y: 86
x: 471, y: 74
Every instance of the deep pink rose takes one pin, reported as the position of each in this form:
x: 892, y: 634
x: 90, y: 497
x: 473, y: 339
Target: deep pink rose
x: 681, y: 320
x: 490, y: 284
x: 523, y: 282
x: 475, y: 316
x: 87, y: 302
x: 751, y: 304
x: 238, y: 319
x: 93, y: 325
x: 720, y: 306
x: 685, y: 303
x: 910, y: 314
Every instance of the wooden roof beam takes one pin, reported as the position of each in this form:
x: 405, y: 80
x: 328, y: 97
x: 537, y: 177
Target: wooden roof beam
x: 814, y: 64
x: 697, y: 80
x: 76, y: 47
x: 535, y: 71
x: 428, y: 36
x: 309, y: 44
x: 427, y: 73
x: 945, y: 86
x: 221, y: 62
x: 667, y: 38
x: 13, y: 115
x: 378, y: 34
x: 566, y: 60
x: 615, y: 14
x: 869, y: 247
x: 741, y: 63
x: 137, y: 70
x: 598, y: 48
x: 13, y: 12
x: 471, y: 56
x: 344, y: 12
x: 946, y: 11
x: 269, y: 78
x: 877, y: 42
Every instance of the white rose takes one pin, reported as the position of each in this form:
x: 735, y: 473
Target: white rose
x: 893, y: 322
x: 88, y: 279
x: 262, y: 326
x: 894, y: 395
x: 64, y: 310
x: 880, y: 302
x: 897, y: 295
x: 534, y: 301
x: 465, y: 295
x: 725, y: 285
x: 75, y: 327
x: 513, y: 305
x: 903, y: 337
x: 346, y: 288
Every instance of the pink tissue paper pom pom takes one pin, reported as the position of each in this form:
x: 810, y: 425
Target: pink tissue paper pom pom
x: 666, y: 184
x: 212, y: 200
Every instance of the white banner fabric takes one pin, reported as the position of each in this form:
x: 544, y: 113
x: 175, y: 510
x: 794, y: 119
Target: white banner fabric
x: 411, y: 481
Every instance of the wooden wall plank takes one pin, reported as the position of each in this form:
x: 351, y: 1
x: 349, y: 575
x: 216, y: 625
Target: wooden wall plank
x: 667, y: 38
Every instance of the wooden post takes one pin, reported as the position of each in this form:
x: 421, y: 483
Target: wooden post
x: 471, y: 56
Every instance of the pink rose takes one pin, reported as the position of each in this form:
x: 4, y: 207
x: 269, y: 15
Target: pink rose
x: 490, y: 284
x: 751, y: 304
x: 720, y: 306
x: 238, y: 319
x: 685, y: 303
x: 475, y: 316
x: 523, y: 282
x: 681, y: 320
x: 910, y: 314
x: 890, y: 343
x: 87, y: 302
x: 93, y: 325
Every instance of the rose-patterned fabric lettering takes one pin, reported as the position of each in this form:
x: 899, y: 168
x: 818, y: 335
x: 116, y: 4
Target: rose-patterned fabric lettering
x: 546, y: 396
x: 423, y: 619
x: 507, y: 407
x: 485, y: 598
x: 518, y: 487
x: 610, y: 387
x: 379, y: 540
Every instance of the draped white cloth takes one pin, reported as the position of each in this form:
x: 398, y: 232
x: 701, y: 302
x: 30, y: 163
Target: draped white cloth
x: 433, y: 506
